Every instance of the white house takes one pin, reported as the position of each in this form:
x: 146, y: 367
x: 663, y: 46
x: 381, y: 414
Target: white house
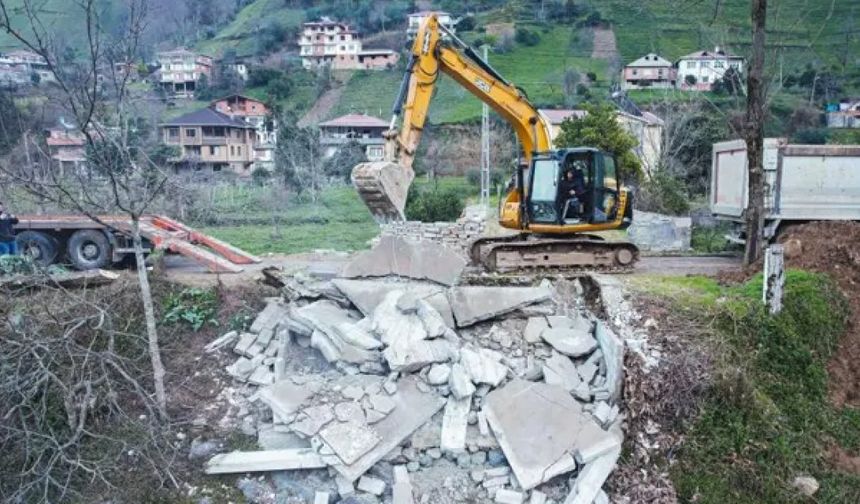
x: 336, y: 45
x: 699, y: 70
x: 416, y: 18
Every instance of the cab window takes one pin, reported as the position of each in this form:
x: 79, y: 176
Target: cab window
x: 544, y: 191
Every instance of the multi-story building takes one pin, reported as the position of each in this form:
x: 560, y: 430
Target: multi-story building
x: 257, y: 114
x: 24, y: 67
x: 699, y: 70
x: 181, y: 70
x: 845, y: 114
x: 212, y: 141
x: 66, y: 148
x: 363, y: 129
x: 336, y: 45
x: 416, y: 18
x: 649, y: 71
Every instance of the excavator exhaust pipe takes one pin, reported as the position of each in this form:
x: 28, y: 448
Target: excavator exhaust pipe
x: 383, y: 187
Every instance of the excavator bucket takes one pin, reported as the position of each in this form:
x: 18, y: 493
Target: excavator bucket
x: 383, y: 186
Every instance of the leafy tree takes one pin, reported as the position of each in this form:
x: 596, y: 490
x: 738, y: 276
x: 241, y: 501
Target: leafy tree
x: 690, y: 80
x: 527, y: 37
x: 10, y: 123
x: 729, y: 84
x: 340, y: 165
x: 467, y: 23
x: 599, y: 128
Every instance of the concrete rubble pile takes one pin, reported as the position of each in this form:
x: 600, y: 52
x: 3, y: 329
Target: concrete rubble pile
x: 401, y: 389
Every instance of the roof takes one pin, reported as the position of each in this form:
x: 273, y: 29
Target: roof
x: 376, y: 51
x: 651, y: 60
x: 557, y: 116
x: 355, y: 120
x: 236, y: 95
x: 425, y: 13
x: 707, y: 55
x: 207, y: 117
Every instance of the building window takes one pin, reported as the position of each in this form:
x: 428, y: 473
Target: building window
x: 173, y: 132
x: 232, y: 150
x: 190, y: 133
x: 705, y: 64
x: 213, y: 150
x: 238, y: 150
x: 718, y: 64
x: 635, y: 72
x: 691, y: 64
x: 705, y: 79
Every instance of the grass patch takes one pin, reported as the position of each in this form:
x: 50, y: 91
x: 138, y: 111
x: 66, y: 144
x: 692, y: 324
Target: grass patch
x: 766, y: 418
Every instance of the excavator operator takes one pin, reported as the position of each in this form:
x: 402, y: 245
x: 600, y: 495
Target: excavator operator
x: 572, y: 192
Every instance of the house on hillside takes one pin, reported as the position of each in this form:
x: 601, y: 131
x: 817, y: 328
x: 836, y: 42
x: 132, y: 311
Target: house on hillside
x: 416, y: 18
x: 67, y: 148
x: 255, y: 113
x: 366, y: 130
x: 844, y: 115
x: 336, y: 45
x: 180, y: 70
x: 21, y: 67
x: 211, y: 141
x: 699, y: 70
x: 647, y: 129
x: 649, y: 71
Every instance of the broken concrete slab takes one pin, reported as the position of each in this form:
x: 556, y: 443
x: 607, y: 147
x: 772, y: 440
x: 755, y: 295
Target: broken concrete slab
x: 221, y: 341
x: 322, y: 498
x: 349, y: 411
x: 560, y: 370
x: 534, y: 327
x: 244, y: 343
x: 473, y: 304
x: 350, y: 440
x: 382, y: 403
x: 504, y: 496
x: 367, y: 294
x: 413, y: 409
x: 270, y: 439
x: 241, y: 369
x: 438, y: 374
x: 537, y: 425
x: 590, y: 479
x: 404, y: 356
x: 613, y: 351
x: 312, y: 419
x: 262, y: 376
x: 483, y: 366
x: 537, y: 497
x: 328, y: 321
x: 570, y: 341
x: 269, y: 460
x: 370, y: 485
x: 455, y: 420
x: 397, y: 256
x: 401, y: 491
x: 460, y: 382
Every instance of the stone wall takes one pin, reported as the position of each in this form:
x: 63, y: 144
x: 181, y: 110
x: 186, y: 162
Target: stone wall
x: 660, y: 233
x: 454, y: 235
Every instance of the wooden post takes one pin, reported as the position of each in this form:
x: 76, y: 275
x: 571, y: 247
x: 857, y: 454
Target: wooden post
x: 774, y: 278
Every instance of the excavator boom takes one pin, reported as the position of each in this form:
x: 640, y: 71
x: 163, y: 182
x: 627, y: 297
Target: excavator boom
x: 383, y: 185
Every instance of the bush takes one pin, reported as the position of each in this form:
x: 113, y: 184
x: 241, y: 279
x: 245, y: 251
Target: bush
x: 261, y: 176
x: 434, y: 204
x: 811, y: 136
x: 663, y: 194
x: 527, y: 37
x: 193, y: 306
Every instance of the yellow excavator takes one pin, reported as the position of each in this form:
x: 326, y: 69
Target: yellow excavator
x: 556, y: 196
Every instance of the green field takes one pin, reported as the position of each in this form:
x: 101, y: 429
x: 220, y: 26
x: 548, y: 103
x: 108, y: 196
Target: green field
x: 239, y: 33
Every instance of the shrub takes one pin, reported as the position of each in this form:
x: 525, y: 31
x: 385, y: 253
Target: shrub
x: 527, y: 37
x: 690, y: 80
x: 663, y: 194
x: 261, y: 176
x: 192, y: 306
x: 434, y: 204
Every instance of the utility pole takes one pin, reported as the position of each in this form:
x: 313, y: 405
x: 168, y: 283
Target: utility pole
x: 754, y: 134
x: 485, y: 150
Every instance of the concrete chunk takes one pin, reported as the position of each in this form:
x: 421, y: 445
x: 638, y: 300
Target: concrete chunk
x: 590, y: 479
x: 534, y: 327
x: 560, y: 370
x: 460, y: 382
x: 569, y: 341
x: 322, y: 498
x: 613, y: 350
x: 244, y: 344
x: 350, y: 440
x: 473, y: 304
x: 417, y: 260
x: 349, y: 411
x: 367, y: 294
x: 454, y: 424
x: 413, y: 409
x: 285, y: 398
x: 439, y: 374
x: 401, y: 491
x: 312, y: 420
x: 537, y: 497
x: 371, y: 485
x: 504, y: 496
x: 222, y: 341
x: 382, y: 403
x: 537, y: 425
x: 483, y: 366
x: 269, y: 460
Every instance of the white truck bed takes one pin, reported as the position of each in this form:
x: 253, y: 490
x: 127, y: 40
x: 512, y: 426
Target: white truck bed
x: 803, y: 182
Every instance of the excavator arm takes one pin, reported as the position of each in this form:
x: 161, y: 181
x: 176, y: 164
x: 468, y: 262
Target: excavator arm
x: 383, y: 185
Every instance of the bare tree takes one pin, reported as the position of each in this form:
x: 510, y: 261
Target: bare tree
x: 119, y: 176
x: 299, y: 158
x: 754, y: 134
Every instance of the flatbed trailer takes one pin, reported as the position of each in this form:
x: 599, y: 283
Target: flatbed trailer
x: 88, y: 244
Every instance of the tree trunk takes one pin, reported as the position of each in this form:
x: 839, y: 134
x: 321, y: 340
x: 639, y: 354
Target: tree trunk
x: 149, y: 314
x: 755, y: 135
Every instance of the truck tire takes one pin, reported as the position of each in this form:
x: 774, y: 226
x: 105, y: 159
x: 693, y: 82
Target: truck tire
x: 42, y: 248
x: 89, y: 249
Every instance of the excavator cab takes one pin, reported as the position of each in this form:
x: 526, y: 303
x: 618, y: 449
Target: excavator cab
x: 570, y: 187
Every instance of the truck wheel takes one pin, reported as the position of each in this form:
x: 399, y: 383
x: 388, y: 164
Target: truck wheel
x: 89, y: 249
x: 40, y: 247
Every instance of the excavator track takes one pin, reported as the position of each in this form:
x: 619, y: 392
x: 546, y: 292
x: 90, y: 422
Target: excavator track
x: 524, y: 253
